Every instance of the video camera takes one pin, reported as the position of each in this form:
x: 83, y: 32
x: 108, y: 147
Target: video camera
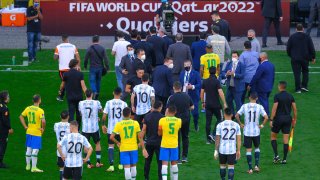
x: 167, y: 17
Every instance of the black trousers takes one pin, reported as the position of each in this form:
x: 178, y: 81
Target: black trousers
x: 297, y: 68
x: 314, y: 12
x: 266, y: 28
x: 243, y: 98
x: 151, y: 150
x: 3, y: 145
x: 73, y: 106
x: 184, y: 136
x: 217, y: 112
x: 164, y: 101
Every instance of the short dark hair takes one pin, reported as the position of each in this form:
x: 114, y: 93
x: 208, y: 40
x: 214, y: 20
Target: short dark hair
x: 212, y: 70
x: 235, y: 52
x: 88, y: 93
x: 120, y: 34
x: 299, y: 27
x: 134, y: 33
x: 64, y: 114
x: 187, y: 60
x: 215, y: 12
x: 129, y: 46
x: 145, y: 77
x: 177, y: 85
x: 36, y: 98
x: 117, y: 91
x: 95, y: 38
x: 228, y: 111
x: 157, y: 104
x: 64, y: 37
x: 215, y: 29
x: 283, y: 84
x: 247, y: 45
x: 172, y: 109
x: 74, y: 123
x: 140, y: 67
x: 138, y: 51
x: 4, y: 96
x: 203, y: 35
x: 253, y: 95
x: 153, y: 30
x: 143, y: 35
x: 126, y: 112
x: 73, y: 63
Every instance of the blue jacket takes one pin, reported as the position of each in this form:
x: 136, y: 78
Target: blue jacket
x: 238, y: 78
x: 251, y: 63
x: 263, y: 80
x: 197, y: 50
x: 195, y: 80
x: 162, y: 81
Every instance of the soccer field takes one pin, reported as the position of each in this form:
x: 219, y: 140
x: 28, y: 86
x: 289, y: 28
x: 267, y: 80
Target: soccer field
x: 303, y: 162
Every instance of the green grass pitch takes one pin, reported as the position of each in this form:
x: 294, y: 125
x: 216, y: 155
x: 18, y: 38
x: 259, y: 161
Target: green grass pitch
x: 303, y: 162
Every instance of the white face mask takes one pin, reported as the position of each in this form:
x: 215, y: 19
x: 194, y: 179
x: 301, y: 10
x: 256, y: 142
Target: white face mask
x: 143, y: 57
x: 131, y: 53
x: 170, y: 66
x: 234, y: 60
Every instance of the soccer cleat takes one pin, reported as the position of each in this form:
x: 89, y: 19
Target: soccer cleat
x: 203, y: 110
x: 28, y: 167
x: 110, y: 169
x: 211, y: 138
x: 208, y: 142
x: 59, y: 99
x: 304, y: 89
x: 250, y: 171
x: 298, y: 91
x: 184, y: 160
x: 120, y: 167
x: 36, y: 170
x: 90, y: 166
x: 264, y: 46
x: 98, y: 165
x: 179, y: 161
x: 256, y: 169
x: 276, y: 160
x: 283, y: 161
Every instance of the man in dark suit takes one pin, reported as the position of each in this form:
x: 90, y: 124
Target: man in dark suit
x: 262, y: 81
x: 234, y: 72
x: 162, y: 81
x: 134, y: 37
x: 301, y: 50
x: 272, y: 13
x: 146, y: 46
x: 191, y: 81
x: 314, y: 12
x: 159, y: 47
x: 179, y: 52
x: 222, y: 24
x: 167, y: 39
x: 197, y: 50
x: 141, y: 61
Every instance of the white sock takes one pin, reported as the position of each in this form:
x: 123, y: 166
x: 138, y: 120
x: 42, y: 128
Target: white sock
x: 34, y: 157
x: 127, y: 173
x: 133, y: 172
x: 164, y: 172
x: 28, y: 155
x: 175, y: 172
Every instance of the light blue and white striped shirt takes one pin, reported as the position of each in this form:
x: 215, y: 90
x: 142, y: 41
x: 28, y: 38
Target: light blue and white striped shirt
x: 228, y: 131
x: 89, y: 110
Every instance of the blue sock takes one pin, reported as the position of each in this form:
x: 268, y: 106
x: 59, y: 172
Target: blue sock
x: 257, y: 156
x: 61, y: 174
x: 249, y: 159
x: 110, y: 155
x: 223, y: 172
x: 98, y: 155
x: 230, y: 173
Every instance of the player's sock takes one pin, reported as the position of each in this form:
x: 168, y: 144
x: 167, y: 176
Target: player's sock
x: 249, y: 159
x: 285, y: 151
x: 110, y: 155
x: 175, y: 172
x: 34, y: 157
x: 223, y: 172
x: 61, y: 174
x: 230, y: 173
x: 274, y: 147
x: 98, y: 155
x: 133, y: 173
x: 127, y: 173
x: 85, y: 155
x: 257, y: 156
x: 28, y: 156
x: 164, y: 172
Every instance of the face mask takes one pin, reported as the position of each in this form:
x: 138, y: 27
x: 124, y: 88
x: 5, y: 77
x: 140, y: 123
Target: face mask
x: 187, y: 68
x: 234, y: 60
x: 143, y: 57
x: 35, y: 4
x: 170, y: 66
x: 131, y: 53
x: 250, y: 38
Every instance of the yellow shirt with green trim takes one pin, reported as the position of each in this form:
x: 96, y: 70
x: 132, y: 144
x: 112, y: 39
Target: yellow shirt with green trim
x: 208, y: 60
x: 34, y: 115
x: 170, y: 127
x: 128, y: 131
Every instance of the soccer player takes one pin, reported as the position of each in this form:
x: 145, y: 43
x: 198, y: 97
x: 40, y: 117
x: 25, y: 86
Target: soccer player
x: 169, y: 127
x: 128, y: 130
x: 35, y: 129
x: 144, y: 96
x: 89, y: 110
x: 74, y: 143
x: 61, y: 129
x: 281, y: 119
x: 208, y: 60
x: 252, y: 112
x: 228, y: 144
x: 114, y: 110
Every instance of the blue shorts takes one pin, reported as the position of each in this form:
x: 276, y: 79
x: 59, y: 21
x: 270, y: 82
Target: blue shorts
x: 169, y: 154
x: 129, y: 157
x: 34, y: 142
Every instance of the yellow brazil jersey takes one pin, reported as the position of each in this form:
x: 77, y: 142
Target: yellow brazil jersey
x: 128, y: 130
x: 34, y: 115
x: 208, y: 60
x: 170, y: 127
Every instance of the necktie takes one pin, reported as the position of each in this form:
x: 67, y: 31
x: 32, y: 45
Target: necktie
x: 187, y: 78
x: 232, y: 78
x: 131, y: 58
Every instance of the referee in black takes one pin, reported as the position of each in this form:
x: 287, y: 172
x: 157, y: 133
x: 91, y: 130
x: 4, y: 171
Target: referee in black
x: 153, y: 140
x: 281, y: 120
x: 5, y: 126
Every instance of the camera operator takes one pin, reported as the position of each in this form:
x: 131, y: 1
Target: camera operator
x: 160, y: 13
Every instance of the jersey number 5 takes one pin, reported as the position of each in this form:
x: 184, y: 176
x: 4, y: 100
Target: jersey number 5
x: 171, y: 127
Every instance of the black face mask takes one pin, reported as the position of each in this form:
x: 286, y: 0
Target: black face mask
x: 259, y: 59
x: 250, y: 38
x: 187, y: 68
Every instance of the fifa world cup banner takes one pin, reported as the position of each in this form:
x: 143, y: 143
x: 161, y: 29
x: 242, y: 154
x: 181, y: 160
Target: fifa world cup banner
x: 103, y: 17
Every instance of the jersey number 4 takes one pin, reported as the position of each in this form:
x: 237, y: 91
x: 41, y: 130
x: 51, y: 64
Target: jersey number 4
x: 231, y: 137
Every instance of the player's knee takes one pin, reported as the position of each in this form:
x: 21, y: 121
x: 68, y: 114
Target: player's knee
x: 28, y: 152
x: 35, y: 152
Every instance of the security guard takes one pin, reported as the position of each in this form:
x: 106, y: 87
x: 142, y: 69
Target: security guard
x: 5, y: 126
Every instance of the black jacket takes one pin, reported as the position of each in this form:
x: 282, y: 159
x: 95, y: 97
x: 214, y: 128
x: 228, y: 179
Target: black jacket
x: 159, y: 47
x: 300, y: 47
x: 5, y: 124
x: 148, y: 49
x: 271, y: 8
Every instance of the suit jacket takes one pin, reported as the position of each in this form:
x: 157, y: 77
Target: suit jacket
x: 148, y: 49
x: 239, y: 83
x: 162, y: 81
x: 159, y: 48
x: 263, y: 80
x: 168, y: 41
x: 197, y: 50
x: 271, y: 8
x: 129, y: 66
x: 179, y: 52
x: 146, y: 65
x: 195, y: 80
x: 300, y: 47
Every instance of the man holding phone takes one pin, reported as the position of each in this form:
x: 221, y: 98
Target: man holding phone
x: 34, y: 18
